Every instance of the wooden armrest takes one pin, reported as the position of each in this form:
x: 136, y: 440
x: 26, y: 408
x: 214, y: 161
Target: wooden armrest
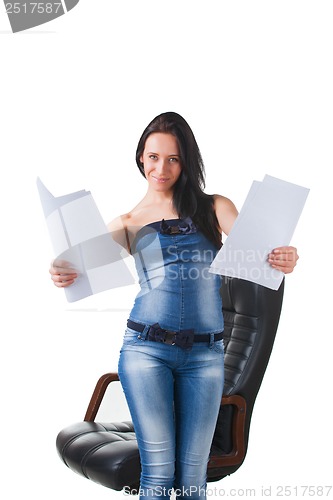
x: 237, y: 453
x: 98, y: 394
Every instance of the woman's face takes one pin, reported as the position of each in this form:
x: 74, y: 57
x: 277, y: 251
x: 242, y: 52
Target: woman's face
x: 161, y: 161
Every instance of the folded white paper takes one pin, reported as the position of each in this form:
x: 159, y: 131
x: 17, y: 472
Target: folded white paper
x: 266, y: 221
x: 81, y: 239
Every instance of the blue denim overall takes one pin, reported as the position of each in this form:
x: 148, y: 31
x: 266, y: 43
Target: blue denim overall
x: 174, y: 393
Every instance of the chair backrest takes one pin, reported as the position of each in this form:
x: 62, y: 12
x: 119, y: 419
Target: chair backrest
x: 251, y: 314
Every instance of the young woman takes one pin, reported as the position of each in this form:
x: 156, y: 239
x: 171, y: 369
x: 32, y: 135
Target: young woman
x: 171, y: 361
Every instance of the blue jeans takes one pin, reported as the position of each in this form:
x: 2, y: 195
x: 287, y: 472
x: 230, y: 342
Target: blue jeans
x: 174, y: 397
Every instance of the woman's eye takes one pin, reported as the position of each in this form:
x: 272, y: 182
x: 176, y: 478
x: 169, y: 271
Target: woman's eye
x: 153, y: 157
x: 173, y: 160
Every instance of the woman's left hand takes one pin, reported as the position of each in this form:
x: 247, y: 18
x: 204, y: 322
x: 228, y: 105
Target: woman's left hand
x: 284, y: 259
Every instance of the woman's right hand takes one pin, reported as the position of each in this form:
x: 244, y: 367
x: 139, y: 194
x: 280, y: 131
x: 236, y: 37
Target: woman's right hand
x: 62, y: 274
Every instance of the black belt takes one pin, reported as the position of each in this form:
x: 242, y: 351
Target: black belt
x: 183, y: 338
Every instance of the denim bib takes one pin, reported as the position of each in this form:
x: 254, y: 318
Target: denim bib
x: 177, y: 290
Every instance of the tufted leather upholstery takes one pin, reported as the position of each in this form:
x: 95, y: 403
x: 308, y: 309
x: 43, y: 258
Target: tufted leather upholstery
x: 108, y: 454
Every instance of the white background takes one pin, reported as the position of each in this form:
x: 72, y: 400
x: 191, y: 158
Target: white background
x: 254, y: 80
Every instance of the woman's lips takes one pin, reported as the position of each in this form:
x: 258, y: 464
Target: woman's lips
x: 160, y: 179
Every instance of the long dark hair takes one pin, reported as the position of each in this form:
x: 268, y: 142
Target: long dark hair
x: 189, y: 199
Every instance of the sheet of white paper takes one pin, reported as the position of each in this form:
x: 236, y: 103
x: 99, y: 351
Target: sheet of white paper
x: 80, y: 237
x: 267, y: 220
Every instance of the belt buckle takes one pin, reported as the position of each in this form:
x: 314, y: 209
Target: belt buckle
x: 185, y: 339
x: 169, y: 337
x: 158, y: 334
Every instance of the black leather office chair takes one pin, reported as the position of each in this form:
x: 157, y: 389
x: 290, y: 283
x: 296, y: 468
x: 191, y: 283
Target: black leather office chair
x: 107, y: 453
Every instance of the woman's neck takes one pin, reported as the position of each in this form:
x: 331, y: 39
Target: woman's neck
x: 154, y: 206
x: 159, y: 198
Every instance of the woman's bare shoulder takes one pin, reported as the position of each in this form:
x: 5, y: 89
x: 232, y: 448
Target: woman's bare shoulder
x: 124, y: 229
x: 222, y: 204
x: 226, y: 212
x: 118, y: 223
x: 125, y: 221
